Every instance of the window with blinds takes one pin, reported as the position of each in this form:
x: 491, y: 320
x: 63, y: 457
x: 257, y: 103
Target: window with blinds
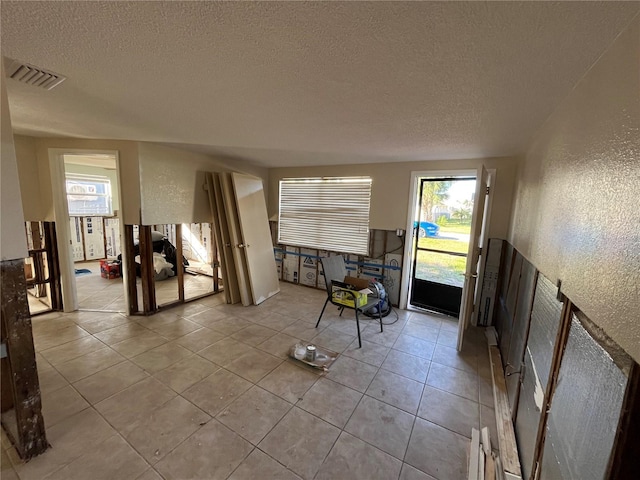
x: 325, y: 213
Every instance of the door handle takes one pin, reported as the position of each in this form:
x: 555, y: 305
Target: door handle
x: 242, y: 245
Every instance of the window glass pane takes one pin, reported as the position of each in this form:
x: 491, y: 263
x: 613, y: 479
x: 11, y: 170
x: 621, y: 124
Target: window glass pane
x: 325, y: 213
x: 89, y: 195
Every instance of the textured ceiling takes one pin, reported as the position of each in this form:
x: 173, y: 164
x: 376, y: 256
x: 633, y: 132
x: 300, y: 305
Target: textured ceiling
x: 306, y: 83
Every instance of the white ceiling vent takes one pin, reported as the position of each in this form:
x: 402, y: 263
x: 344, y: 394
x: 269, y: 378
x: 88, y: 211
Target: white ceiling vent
x: 32, y: 75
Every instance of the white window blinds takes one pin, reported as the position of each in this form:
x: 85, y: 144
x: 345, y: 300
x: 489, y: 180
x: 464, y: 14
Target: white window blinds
x: 325, y: 213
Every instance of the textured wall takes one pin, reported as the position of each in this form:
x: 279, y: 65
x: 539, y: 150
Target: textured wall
x: 576, y: 215
x: 171, y: 183
x: 13, y: 241
x: 29, y: 176
x: 42, y: 203
x: 391, y: 184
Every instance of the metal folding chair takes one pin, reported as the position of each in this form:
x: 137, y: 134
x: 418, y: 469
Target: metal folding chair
x: 335, y: 271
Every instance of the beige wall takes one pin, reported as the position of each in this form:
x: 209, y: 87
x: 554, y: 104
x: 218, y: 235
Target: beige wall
x: 391, y: 183
x: 13, y: 242
x: 29, y: 174
x: 576, y: 214
x: 35, y: 176
x: 171, y: 183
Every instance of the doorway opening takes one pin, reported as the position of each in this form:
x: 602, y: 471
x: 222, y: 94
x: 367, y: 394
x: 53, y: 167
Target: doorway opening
x: 441, y: 235
x: 92, y: 191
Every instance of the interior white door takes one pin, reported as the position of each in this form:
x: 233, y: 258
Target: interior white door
x: 221, y: 229
x: 473, y: 254
x: 256, y: 236
x: 235, y: 237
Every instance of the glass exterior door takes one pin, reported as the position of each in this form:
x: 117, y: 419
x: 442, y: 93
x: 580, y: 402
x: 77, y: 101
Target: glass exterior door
x: 441, y: 243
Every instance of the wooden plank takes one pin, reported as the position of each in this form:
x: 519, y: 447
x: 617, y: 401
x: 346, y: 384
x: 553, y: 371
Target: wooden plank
x: 486, y: 440
x: 147, y: 270
x: 506, y: 435
x: 21, y: 358
x: 490, y: 468
x: 179, y: 264
x: 473, y: 454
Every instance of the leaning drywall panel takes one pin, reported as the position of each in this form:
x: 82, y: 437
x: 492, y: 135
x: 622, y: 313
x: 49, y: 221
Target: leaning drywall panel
x: 75, y: 226
x: 490, y: 282
x: 505, y: 273
x: 520, y: 329
x: 509, y: 307
x: 112, y: 235
x: 585, y: 410
x: 291, y: 264
x: 308, y: 267
x: 93, y: 238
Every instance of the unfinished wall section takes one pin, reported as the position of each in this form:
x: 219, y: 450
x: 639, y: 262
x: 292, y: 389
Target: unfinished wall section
x: 302, y: 265
x: 576, y: 210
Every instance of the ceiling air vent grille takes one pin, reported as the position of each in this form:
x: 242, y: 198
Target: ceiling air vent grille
x: 35, y: 76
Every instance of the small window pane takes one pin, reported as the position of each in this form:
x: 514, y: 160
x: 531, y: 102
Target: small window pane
x: 89, y: 195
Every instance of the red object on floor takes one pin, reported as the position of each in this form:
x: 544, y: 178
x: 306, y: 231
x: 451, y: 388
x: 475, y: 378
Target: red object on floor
x: 109, y: 269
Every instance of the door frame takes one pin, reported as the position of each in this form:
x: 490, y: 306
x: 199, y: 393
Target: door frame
x: 405, y: 282
x: 61, y: 216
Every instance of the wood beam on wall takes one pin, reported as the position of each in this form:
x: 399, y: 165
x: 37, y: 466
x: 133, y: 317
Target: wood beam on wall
x: 147, y: 270
x: 21, y: 358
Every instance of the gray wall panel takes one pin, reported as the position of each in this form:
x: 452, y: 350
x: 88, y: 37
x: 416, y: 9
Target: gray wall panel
x: 545, y: 320
x: 585, y: 410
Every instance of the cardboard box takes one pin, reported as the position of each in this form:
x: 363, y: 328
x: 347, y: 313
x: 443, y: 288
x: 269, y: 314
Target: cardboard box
x: 109, y: 269
x: 352, y: 293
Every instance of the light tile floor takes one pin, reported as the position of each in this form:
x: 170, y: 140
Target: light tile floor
x: 97, y: 293
x: 206, y: 391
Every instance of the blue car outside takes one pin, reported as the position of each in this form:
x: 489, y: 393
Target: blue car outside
x: 426, y: 229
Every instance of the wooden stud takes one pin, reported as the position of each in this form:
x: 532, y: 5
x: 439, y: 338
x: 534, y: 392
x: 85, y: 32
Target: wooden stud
x: 84, y: 247
x: 129, y: 255
x: 53, y: 265
x: 179, y: 264
x: 626, y: 447
x: 147, y: 270
x: 38, y: 264
x: 31, y: 438
x: 104, y: 236
x: 506, y: 435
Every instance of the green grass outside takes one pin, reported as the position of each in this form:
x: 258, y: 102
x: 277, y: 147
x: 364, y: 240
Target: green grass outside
x: 455, y: 228
x: 441, y: 268
x: 444, y: 244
